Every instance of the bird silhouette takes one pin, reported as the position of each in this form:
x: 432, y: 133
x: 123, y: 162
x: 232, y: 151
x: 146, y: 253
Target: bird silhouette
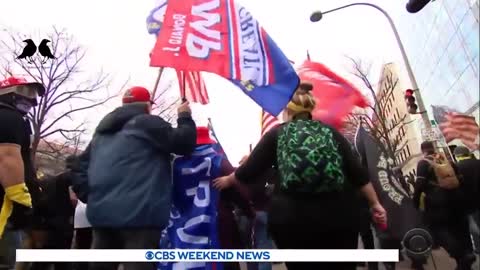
x: 29, y: 50
x: 44, y: 50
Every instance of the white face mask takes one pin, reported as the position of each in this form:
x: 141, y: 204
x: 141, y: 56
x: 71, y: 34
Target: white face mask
x: 23, y: 105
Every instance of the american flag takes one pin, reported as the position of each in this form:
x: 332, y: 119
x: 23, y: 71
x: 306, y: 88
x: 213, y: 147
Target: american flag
x: 195, y: 89
x: 268, y: 122
x: 463, y: 127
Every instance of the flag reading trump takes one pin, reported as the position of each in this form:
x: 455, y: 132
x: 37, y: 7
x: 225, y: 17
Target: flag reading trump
x: 222, y: 37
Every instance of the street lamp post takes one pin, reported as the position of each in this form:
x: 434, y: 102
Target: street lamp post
x: 318, y: 15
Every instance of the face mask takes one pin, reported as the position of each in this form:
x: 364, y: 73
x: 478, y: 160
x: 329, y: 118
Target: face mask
x: 23, y: 105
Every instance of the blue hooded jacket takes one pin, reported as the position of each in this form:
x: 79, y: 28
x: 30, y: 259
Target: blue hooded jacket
x: 124, y: 175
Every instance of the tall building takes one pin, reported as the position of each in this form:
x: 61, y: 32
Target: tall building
x: 442, y: 44
x: 392, y: 107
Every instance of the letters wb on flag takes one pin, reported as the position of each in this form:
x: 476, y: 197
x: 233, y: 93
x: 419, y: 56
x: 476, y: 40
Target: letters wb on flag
x: 194, y: 88
x: 222, y: 37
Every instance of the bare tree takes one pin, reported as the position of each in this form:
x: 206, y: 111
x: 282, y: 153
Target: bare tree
x: 165, y: 103
x: 376, y: 121
x: 59, y: 150
x: 68, y: 90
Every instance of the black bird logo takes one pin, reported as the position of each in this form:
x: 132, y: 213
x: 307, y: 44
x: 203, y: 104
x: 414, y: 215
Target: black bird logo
x: 29, y: 50
x: 44, y: 50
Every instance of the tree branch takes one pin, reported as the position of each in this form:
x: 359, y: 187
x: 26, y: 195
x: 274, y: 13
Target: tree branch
x: 67, y: 88
x: 378, y: 126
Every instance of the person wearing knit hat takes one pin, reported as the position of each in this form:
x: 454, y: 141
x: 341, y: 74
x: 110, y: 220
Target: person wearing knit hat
x: 128, y: 188
x: 318, y: 182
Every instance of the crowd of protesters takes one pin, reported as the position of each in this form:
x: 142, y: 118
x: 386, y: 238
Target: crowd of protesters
x: 117, y: 194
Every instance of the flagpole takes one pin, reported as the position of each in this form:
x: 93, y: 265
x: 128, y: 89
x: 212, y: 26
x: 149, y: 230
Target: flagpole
x: 182, y: 91
x: 160, y: 72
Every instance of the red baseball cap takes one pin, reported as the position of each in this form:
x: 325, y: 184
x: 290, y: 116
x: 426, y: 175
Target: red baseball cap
x: 31, y: 91
x: 203, y: 136
x: 137, y: 94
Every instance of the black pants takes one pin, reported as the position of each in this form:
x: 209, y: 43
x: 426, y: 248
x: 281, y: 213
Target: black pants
x: 56, y: 239
x: 125, y: 239
x: 454, y: 237
x: 309, y: 236
x: 386, y: 243
x: 368, y: 243
x: 83, y: 240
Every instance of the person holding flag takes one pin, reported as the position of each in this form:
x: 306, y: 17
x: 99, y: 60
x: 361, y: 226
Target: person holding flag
x: 196, y: 172
x: 124, y: 175
x: 318, y: 173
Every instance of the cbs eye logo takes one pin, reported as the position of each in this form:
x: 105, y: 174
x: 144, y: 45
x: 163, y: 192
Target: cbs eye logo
x: 30, y: 50
x: 149, y: 255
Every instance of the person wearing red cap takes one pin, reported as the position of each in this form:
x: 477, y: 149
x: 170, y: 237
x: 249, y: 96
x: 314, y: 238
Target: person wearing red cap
x: 19, y: 192
x: 124, y: 175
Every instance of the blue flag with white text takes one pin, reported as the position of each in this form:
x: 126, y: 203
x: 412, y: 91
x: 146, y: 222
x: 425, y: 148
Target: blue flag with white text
x: 193, y: 217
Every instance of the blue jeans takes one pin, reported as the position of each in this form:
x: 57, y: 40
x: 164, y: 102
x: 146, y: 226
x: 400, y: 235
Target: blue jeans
x: 261, y: 237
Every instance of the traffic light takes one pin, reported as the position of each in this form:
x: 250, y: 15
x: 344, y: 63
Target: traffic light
x: 412, y: 107
x: 414, y: 6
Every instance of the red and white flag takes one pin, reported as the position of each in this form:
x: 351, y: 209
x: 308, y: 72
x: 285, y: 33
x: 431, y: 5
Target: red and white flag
x: 268, y: 122
x: 463, y: 127
x: 195, y: 88
x: 335, y: 96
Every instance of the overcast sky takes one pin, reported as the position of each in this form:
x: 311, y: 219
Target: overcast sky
x: 115, y: 35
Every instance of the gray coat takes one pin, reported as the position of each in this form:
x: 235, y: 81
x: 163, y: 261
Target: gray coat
x: 124, y: 174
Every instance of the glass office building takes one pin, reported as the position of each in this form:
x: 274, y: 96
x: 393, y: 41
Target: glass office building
x: 442, y: 43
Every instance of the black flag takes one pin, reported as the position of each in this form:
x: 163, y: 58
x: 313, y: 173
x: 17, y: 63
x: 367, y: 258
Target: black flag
x: 402, y: 215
